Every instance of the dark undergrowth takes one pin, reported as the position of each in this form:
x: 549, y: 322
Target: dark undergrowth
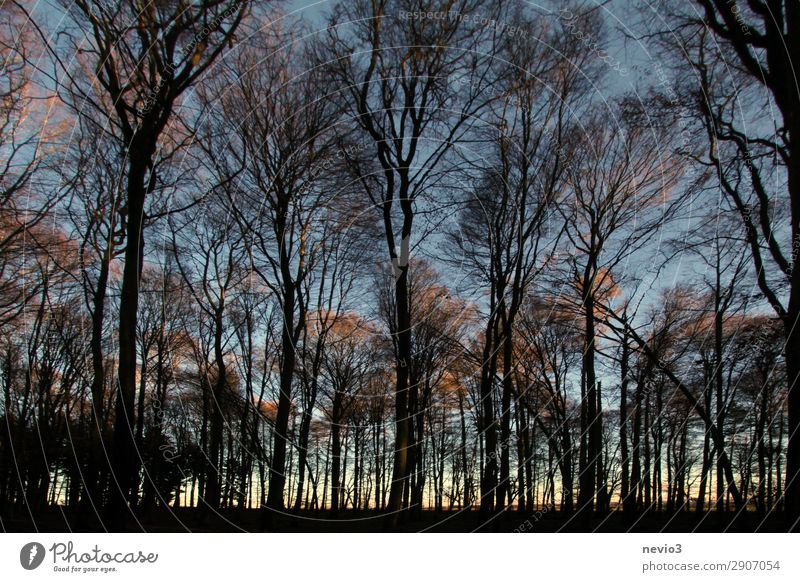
x: 61, y: 519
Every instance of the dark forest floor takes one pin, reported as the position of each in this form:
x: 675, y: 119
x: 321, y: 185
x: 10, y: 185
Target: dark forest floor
x: 59, y: 519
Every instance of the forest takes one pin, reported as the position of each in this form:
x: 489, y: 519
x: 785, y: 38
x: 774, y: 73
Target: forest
x: 399, y: 265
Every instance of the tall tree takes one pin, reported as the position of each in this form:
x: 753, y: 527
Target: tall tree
x: 212, y: 273
x: 278, y: 161
x: 742, y: 58
x: 621, y: 184
x: 393, y: 72
x: 143, y: 60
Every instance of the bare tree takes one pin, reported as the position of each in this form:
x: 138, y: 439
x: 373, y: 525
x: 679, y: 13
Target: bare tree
x: 212, y: 271
x: 742, y: 55
x: 393, y: 70
x: 621, y: 181
x: 142, y: 61
x: 276, y: 158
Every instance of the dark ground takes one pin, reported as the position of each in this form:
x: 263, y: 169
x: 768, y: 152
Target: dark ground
x: 59, y: 519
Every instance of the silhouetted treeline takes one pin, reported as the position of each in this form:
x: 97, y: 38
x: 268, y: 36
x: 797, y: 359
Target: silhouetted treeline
x: 405, y: 258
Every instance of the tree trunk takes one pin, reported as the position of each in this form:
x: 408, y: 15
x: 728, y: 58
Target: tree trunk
x: 488, y: 427
x: 336, y: 454
x: 503, y: 495
x: 401, y: 412
x: 706, y: 465
x: 214, y: 476
x: 123, y: 446
x: 588, y: 477
x: 92, y: 501
x: 628, y: 501
x: 277, y: 468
